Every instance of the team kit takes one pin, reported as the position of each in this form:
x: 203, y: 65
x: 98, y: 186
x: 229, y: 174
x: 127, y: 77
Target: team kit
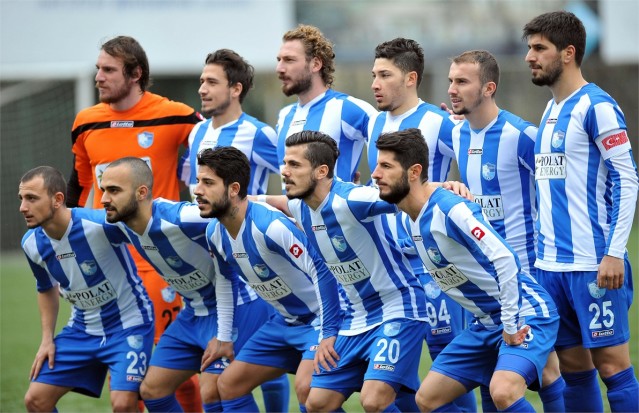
x: 516, y: 277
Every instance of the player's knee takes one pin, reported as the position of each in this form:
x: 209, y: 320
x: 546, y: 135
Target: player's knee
x: 148, y: 392
x: 424, y: 403
x: 372, y: 403
x: 319, y: 404
x: 227, y: 389
x: 503, y: 395
x: 36, y: 403
x: 302, y: 388
x: 210, y: 392
x: 121, y: 404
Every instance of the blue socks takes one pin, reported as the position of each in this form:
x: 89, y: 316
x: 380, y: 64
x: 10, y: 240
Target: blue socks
x: 276, y: 394
x: 448, y: 407
x: 582, y: 393
x: 212, y: 407
x: 552, y: 396
x: 163, y: 404
x: 241, y: 404
x: 466, y: 402
x: 405, y: 401
x: 521, y: 405
x: 302, y: 408
x: 487, y: 404
x: 623, y: 391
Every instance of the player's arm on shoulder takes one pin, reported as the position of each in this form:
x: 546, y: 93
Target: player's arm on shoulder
x: 49, y: 304
x: 276, y: 201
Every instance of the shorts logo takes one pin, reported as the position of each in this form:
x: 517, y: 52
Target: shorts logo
x: 89, y: 267
x: 314, y: 347
x: 488, y: 171
x: 318, y: 228
x: 221, y: 364
x: 557, y: 139
x: 135, y: 341
x: 475, y: 151
x: 478, y: 233
x: 385, y: 367
x: 603, y: 333
x: 145, y: 139
x: 137, y: 379
x: 65, y: 255
x: 168, y: 294
x: 432, y: 290
x: 174, y: 261
x: 434, y: 255
x: 261, y: 270
x: 441, y: 330
x: 240, y: 255
x: 392, y: 329
x: 339, y: 243
x: 595, y: 292
x: 121, y: 123
x: 296, y: 250
x: 615, y: 140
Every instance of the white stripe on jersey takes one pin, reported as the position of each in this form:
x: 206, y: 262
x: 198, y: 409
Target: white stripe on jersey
x: 586, y: 182
x: 350, y: 231
x: 497, y: 164
x: 473, y: 264
x: 256, y: 139
x: 94, y: 272
x: 342, y: 117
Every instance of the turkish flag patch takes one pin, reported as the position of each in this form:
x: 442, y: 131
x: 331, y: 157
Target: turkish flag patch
x: 615, y: 140
x: 296, y: 250
x: 478, y: 233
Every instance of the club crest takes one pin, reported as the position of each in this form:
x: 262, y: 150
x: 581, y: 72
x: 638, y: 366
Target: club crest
x: 557, y: 139
x: 168, y: 294
x: 135, y: 341
x: 145, y: 139
x: 89, y: 267
x: 434, y: 255
x: 432, y: 290
x: 261, y: 270
x: 174, y: 261
x: 339, y: 243
x: 595, y: 291
x: 488, y: 171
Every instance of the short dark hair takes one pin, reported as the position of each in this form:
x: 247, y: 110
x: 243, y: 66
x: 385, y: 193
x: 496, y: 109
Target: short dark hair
x: 141, y: 173
x: 228, y: 163
x: 133, y: 56
x: 315, y: 45
x: 488, y: 66
x: 52, y: 178
x: 321, y: 149
x: 562, y: 28
x: 237, y: 69
x: 406, y: 54
x: 409, y: 148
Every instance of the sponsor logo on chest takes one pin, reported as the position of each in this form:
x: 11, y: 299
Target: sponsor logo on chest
x: 349, y: 272
x: 550, y: 166
x: 92, y: 297
x: 189, y: 282
x: 491, y: 206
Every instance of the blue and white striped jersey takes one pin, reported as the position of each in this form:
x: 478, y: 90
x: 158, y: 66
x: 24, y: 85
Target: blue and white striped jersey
x: 174, y: 243
x: 435, y: 124
x: 94, y: 272
x: 474, y: 265
x: 274, y: 257
x: 497, y: 164
x: 342, y: 117
x: 254, y: 138
x: 586, y: 182
x: 351, y: 232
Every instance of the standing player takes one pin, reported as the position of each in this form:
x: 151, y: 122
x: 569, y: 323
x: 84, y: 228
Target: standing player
x: 515, y: 321
x: 495, y: 153
x: 379, y: 342
x: 273, y: 256
x: 170, y: 236
x: 73, y: 253
x: 587, y: 190
x: 225, y: 81
x: 305, y: 67
x: 397, y: 73
x: 130, y: 121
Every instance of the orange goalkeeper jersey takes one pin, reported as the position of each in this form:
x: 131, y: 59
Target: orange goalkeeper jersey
x: 153, y: 130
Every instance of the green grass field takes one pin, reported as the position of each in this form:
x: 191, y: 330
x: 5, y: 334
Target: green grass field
x: 20, y: 337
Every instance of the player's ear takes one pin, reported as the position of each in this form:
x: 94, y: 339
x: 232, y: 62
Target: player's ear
x: 58, y: 199
x: 142, y: 192
x: 415, y: 172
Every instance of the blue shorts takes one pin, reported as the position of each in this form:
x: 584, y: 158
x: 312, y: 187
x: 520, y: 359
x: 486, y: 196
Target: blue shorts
x: 472, y: 357
x: 590, y: 316
x: 82, y: 360
x: 281, y: 345
x: 446, y: 318
x: 182, y: 345
x: 389, y: 352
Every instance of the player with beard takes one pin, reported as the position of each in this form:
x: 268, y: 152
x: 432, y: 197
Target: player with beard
x: 494, y: 150
x: 131, y: 121
x: 397, y: 73
x: 515, y: 321
x: 381, y: 337
x: 265, y: 248
x: 587, y: 184
x: 225, y: 81
x: 169, y: 235
x: 305, y: 67
x: 76, y: 255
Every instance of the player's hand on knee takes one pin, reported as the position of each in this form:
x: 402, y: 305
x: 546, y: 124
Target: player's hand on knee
x: 216, y: 349
x: 326, y: 356
x: 46, y: 353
